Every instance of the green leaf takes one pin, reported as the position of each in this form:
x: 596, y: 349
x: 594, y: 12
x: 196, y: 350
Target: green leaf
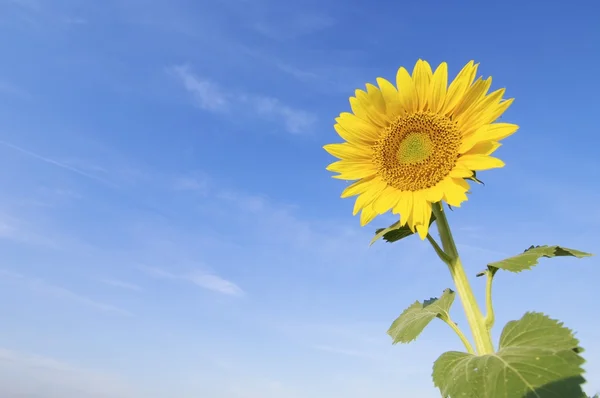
x: 530, y: 257
x: 538, y: 358
x: 474, y: 178
x: 395, y: 232
x: 409, y: 325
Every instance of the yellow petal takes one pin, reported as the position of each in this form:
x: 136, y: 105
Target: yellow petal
x: 361, y: 131
x: 454, y: 194
x: 499, y: 131
x: 459, y: 86
x: 374, y: 114
x: 472, y: 95
x: 367, y: 215
x: 404, y: 207
x: 352, y: 170
x: 421, y: 214
x: 358, y: 109
x: 489, y: 132
x: 349, y: 151
x: 422, y: 78
x: 439, y: 84
x: 376, y: 98
x: 364, y: 199
x: 482, y: 105
x: 362, y: 186
x: 463, y: 183
x: 352, y: 138
x: 434, y: 194
x: 480, y: 162
x: 484, y: 148
x: 390, y: 95
x: 387, y: 200
x: 460, y: 172
x: 487, y: 116
x: 418, y: 208
x: 423, y: 229
x: 407, y: 93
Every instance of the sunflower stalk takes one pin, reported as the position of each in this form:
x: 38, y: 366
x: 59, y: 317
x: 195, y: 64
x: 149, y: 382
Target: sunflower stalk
x: 489, y: 308
x: 476, y: 320
x: 439, y: 251
x: 454, y: 326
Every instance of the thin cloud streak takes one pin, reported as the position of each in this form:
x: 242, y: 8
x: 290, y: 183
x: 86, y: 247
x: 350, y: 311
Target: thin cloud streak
x: 54, y: 162
x: 121, y: 284
x: 40, y: 286
x: 205, y: 280
x: 215, y: 283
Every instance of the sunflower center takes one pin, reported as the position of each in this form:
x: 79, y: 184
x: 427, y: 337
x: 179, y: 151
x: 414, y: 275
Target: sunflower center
x: 417, y: 151
x: 414, y: 148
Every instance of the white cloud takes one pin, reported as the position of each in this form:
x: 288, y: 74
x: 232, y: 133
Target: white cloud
x: 215, y: 283
x: 19, y: 231
x: 196, y: 182
x: 205, y: 280
x: 209, y: 96
x: 40, y: 286
x: 121, y: 284
x: 295, y: 120
x: 53, y: 162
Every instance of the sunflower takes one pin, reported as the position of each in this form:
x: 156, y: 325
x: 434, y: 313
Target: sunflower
x: 416, y: 144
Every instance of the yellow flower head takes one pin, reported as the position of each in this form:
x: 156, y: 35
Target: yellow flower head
x: 409, y: 146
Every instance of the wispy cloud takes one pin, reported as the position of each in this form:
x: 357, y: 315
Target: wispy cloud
x: 296, y: 121
x: 207, y: 94
x: 19, y: 231
x: 40, y: 286
x: 121, y: 284
x: 53, y: 162
x: 196, y: 182
x: 215, y: 283
x: 205, y: 280
x: 210, y: 96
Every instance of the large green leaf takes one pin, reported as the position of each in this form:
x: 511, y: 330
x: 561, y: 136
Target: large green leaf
x: 395, y: 232
x: 409, y: 325
x: 538, y: 358
x: 530, y: 257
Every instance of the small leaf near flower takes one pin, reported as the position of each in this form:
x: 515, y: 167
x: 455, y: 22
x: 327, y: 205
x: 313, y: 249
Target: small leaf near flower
x: 395, y: 232
x: 530, y: 257
x: 409, y: 325
x: 538, y: 358
x: 474, y: 178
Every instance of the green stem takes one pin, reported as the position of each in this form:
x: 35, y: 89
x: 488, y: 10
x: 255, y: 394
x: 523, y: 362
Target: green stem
x: 481, y: 334
x: 489, y: 308
x: 460, y: 334
x: 441, y: 254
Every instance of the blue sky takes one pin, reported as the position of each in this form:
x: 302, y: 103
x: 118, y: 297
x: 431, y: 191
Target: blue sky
x: 167, y: 225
